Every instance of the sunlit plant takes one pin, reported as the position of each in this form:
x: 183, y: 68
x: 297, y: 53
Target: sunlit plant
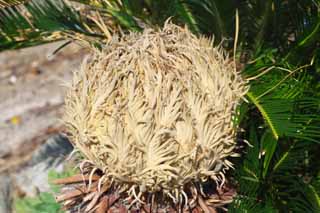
x: 152, y: 113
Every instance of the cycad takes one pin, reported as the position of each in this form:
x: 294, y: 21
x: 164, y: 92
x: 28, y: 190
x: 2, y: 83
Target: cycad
x: 153, y: 112
x: 279, y: 51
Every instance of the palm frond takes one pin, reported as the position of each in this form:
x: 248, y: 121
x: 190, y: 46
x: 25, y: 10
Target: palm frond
x: 263, y: 182
x: 244, y: 204
x: 284, y: 120
x: 211, y: 17
x: 293, y: 167
x: 10, y: 3
x: 36, y: 22
x: 280, y: 95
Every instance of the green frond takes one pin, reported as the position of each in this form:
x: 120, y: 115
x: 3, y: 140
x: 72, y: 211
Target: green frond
x: 294, y: 167
x: 123, y: 18
x: 281, y: 95
x: 245, y: 204
x: 249, y: 173
x: 187, y: 16
x: 284, y: 119
x: 39, y: 21
x: 10, y: 3
x: 268, y: 148
x: 269, y: 167
x: 212, y: 17
x: 264, y: 114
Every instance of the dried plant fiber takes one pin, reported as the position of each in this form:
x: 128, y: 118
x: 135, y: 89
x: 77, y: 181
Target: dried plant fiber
x: 154, y: 110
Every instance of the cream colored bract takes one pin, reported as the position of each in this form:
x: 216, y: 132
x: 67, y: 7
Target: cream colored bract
x: 154, y: 110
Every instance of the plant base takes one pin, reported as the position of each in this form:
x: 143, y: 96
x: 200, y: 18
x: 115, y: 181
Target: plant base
x: 90, y: 192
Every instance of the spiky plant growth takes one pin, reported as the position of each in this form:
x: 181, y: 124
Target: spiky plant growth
x: 153, y: 114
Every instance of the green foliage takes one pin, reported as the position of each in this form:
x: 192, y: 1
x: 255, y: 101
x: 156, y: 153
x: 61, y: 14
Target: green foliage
x: 287, y: 112
x: 10, y: 3
x: 274, y: 175
x: 53, y: 175
x: 278, y: 178
x: 44, y: 202
x: 37, y: 22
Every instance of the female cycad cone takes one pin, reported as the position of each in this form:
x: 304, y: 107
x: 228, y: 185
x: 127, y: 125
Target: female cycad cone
x: 153, y: 114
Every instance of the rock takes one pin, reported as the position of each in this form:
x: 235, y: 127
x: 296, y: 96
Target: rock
x: 5, y: 193
x: 36, y: 99
x: 52, y: 152
x: 34, y: 176
x: 31, y: 103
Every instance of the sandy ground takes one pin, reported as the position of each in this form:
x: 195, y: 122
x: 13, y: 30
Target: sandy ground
x: 31, y: 98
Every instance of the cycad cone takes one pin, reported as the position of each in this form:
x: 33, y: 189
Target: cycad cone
x: 154, y: 111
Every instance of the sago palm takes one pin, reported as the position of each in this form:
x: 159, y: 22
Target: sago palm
x: 277, y: 54
x: 152, y: 113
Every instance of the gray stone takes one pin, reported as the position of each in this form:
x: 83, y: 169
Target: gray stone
x: 36, y: 97
x: 50, y: 156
